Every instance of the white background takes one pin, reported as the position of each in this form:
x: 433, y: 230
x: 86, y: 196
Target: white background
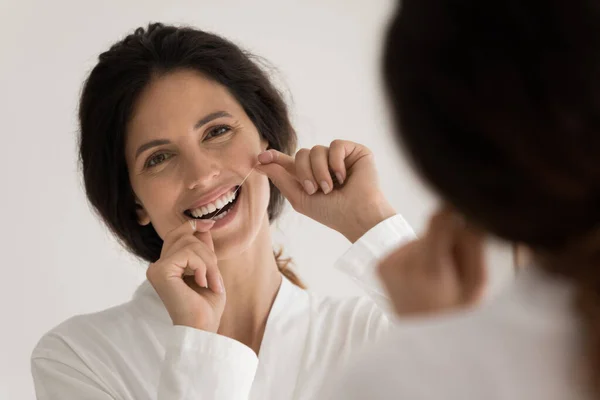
x: 57, y: 260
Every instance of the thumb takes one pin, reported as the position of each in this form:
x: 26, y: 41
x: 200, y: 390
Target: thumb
x: 202, y: 232
x: 283, y: 180
x: 472, y: 271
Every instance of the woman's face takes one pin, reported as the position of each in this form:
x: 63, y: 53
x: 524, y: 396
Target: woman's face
x: 189, y: 145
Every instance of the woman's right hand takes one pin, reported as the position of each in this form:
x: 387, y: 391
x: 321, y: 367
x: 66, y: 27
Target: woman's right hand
x: 194, y: 300
x: 443, y: 270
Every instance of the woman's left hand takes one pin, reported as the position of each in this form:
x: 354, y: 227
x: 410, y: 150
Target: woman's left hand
x: 352, y: 206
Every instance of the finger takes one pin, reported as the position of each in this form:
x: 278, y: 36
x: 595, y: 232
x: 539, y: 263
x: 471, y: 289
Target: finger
x: 470, y: 265
x: 181, y: 243
x: 402, y: 277
x: 205, y: 253
x: 287, y: 184
x: 337, y: 156
x: 200, y: 278
x: 304, y: 172
x: 319, y: 163
x: 395, y: 265
x: 201, y: 225
x: 188, y: 227
x: 204, y: 235
x: 215, y: 281
x: 194, y: 263
x: 402, y: 268
x: 281, y: 170
x: 276, y: 157
x: 174, y: 267
x: 441, y: 237
x: 458, y: 251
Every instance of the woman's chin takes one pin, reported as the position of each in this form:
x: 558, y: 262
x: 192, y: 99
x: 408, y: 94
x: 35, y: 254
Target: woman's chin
x: 236, y: 232
x: 231, y: 243
x: 232, y: 246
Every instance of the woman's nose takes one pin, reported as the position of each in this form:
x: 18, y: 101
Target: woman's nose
x: 200, y: 171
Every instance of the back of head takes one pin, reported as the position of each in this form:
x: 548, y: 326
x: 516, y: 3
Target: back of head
x: 498, y: 106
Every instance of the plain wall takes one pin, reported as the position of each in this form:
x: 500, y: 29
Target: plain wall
x: 57, y: 259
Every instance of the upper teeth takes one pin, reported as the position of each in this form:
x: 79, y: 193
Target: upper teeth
x: 215, y: 205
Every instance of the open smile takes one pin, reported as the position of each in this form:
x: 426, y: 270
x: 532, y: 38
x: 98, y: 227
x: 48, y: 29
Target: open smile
x: 219, y: 207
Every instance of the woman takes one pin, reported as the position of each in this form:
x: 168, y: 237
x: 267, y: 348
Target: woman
x: 499, y: 107
x: 173, y: 121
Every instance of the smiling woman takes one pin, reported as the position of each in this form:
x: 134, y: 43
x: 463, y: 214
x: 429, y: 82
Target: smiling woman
x: 183, y: 156
x: 155, y: 127
x: 173, y: 120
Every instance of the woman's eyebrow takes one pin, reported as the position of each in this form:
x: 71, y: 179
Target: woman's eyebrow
x: 203, y: 121
x: 150, y: 144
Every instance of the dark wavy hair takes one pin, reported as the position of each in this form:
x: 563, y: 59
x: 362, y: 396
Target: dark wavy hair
x: 498, y: 106
x: 111, y: 91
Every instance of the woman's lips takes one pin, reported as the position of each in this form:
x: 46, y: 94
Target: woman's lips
x: 221, y: 204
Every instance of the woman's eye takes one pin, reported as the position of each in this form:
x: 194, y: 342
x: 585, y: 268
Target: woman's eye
x: 218, y: 131
x: 157, y: 159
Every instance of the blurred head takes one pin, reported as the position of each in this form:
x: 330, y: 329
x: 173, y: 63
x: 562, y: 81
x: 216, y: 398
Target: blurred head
x: 498, y: 106
x: 172, y: 120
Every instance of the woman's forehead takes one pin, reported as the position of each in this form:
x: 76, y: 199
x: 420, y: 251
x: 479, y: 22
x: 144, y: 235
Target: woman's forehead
x: 175, y: 102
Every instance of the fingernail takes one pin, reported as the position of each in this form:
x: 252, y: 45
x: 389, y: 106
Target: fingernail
x: 339, y: 177
x: 325, y: 187
x: 221, y: 287
x: 265, y: 157
x: 309, y: 187
x: 193, y: 224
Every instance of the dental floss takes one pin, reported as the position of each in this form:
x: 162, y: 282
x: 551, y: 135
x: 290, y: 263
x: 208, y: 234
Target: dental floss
x: 236, y: 190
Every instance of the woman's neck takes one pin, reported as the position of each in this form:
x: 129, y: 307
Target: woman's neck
x: 252, y: 282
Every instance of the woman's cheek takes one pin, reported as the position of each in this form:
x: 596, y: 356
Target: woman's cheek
x: 265, y: 190
x: 163, y: 216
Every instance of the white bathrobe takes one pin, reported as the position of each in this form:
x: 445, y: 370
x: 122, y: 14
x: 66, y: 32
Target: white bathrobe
x: 527, y: 344
x: 133, y: 351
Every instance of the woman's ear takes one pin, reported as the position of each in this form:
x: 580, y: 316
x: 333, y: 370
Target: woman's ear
x: 142, y: 214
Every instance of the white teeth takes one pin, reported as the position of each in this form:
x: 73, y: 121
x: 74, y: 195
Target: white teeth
x: 215, y: 205
x: 221, y: 216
